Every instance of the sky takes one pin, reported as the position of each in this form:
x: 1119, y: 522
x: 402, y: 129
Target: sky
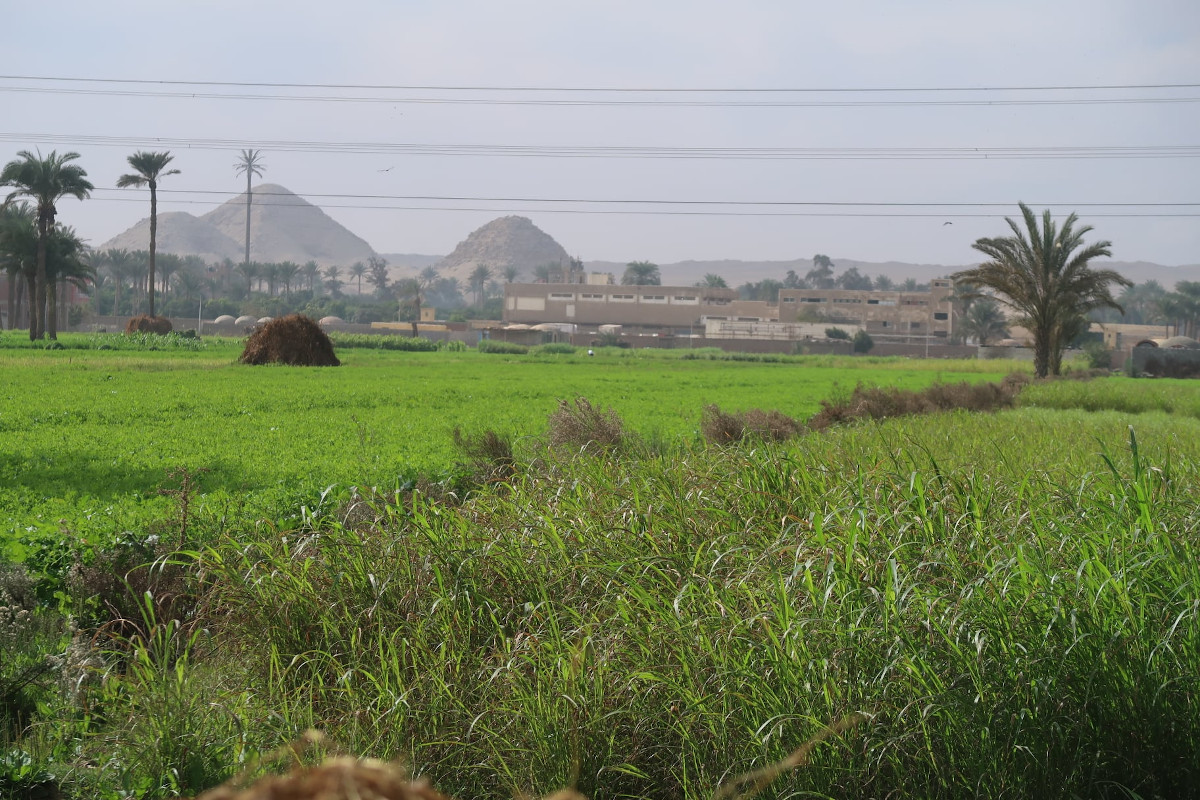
x: 488, y: 108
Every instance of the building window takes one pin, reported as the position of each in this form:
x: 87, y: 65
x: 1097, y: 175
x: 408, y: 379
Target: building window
x: 562, y: 296
x: 941, y: 315
x: 812, y: 299
x: 622, y: 298
x: 912, y: 326
x: 689, y: 299
x: 789, y: 299
x: 654, y: 298
x: 593, y: 297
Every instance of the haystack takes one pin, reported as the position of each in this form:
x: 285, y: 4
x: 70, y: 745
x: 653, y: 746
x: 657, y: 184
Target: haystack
x: 144, y: 323
x: 337, y: 779
x: 294, y: 339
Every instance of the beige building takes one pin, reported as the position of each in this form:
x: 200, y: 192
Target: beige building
x: 892, y: 315
x: 683, y: 310
x: 674, y: 308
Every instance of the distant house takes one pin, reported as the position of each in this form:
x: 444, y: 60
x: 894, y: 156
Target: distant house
x: 691, y: 310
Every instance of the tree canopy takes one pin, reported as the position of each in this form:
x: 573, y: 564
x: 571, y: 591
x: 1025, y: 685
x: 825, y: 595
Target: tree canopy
x: 1043, y: 274
x: 641, y: 273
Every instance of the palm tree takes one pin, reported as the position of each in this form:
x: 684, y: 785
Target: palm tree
x: 984, y: 321
x: 250, y: 164
x: 44, y: 180
x: 67, y: 262
x: 409, y: 290
x: 120, y: 267
x: 510, y: 273
x: 479, y: 278
x: 712, y: 280
x: 821, y: 275
x: 641, y: 273
x: 18, y: 231
x: 311, y: 272
x: 148, y: 170
x: 1039, y: 274
x: 357, y: 270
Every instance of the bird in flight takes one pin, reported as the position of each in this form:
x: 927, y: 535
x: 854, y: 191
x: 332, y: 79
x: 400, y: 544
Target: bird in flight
x: 389, y: 169
x: 947, y: 222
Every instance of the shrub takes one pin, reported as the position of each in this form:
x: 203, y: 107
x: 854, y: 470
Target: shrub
x: 720, y: 427
x: 144, y: 323
x: 583, y: 427
x: 489, y: 455
x: 294, y: 340
x: 881, y: 403
x: 554, y: 349
x: 452, y: 346
x: 837, y: 333
x: 1098, y: 356
x: 863, y: 342
x: 503, y: 348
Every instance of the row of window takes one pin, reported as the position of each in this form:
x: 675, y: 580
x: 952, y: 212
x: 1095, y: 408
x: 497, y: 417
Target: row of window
x: 596, y: 297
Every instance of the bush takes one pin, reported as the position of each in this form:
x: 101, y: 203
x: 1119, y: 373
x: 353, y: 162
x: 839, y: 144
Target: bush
x: 144, y: 323
x: 554, y: 349
x: 863, y: 342
x: 837, y: 333
x: 882, y: 403
x: 489, y: 455
x: 373, y: 341
x: 583, y: 427
x: 502, y: 348
x: 452, y: 346
x: 1098, y: 356
x: 294, y: 340
x: 720, y: 427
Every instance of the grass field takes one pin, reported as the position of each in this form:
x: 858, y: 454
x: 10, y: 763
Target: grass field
x: 96, y: 432
x: 1006, y: 603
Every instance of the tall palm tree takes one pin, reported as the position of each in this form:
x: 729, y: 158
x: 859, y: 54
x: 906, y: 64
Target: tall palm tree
x: 479, y: 278
x: 18, y: 232
x: 357, y: 271
x: 249, y: 163
x: 984, y: 321
x: 67, y: 262
x: 149, y: 168
x: 1038, y: 273
x: 409, y: 290
x: 44, y: 180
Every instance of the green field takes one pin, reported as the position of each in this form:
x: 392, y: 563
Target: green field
x: 96, y: 432
x: 1004, y: 604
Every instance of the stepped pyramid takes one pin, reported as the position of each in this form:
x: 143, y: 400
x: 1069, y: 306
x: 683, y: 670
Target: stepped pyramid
x: 283, y: 227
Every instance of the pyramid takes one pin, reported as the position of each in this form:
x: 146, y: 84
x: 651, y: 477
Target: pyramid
x: 283, y: 227
x: 507, y: 241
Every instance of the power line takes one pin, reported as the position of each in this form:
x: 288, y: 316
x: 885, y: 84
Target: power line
x: 679, y: 213
x: 664, y: 201
x: 611, y: 89
x: 592, y: 102
x: 1056, y: 152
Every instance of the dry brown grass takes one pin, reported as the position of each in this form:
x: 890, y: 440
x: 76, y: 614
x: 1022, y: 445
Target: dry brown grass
x: 582, y: 427
x: 341, y: 778
x: 294, y: 340
x: 488, y: 455
x: 144, y: 323
x: 723, y: 427
x: 868, y: 402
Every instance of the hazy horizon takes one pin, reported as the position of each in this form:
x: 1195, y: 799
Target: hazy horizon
x: 414, y: 124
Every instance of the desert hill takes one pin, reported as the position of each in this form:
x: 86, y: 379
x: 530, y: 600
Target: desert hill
x: 182, y: 234
x: 283, y: 227
x: 503, y: 242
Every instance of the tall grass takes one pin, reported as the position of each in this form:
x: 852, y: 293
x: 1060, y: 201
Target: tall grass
x: 1012, y: 603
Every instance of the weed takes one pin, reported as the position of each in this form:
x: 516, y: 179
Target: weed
x: 582, y: 427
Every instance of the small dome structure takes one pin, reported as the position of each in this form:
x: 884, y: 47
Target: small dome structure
x: 330, y: 321
x: 224, y: 319
x: 245, y: 319
x: 1179, y: 343
x: 263, y: 320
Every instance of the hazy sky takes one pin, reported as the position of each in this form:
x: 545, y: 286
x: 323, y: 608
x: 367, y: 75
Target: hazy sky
x: 390, y: 197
